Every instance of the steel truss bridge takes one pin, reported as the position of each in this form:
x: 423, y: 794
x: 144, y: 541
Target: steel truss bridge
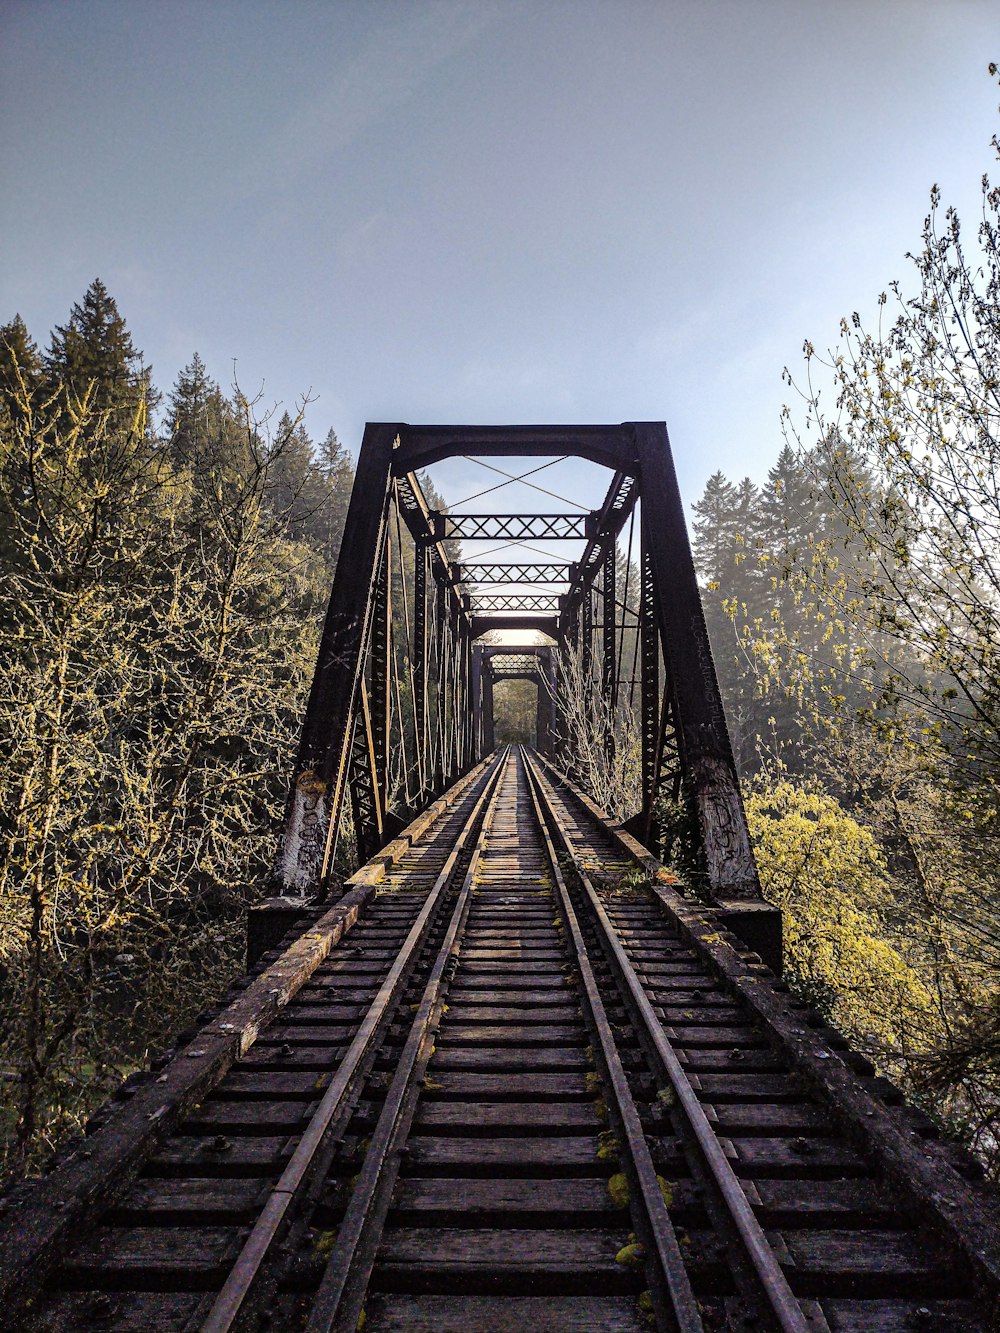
x: 508, y: 1072
x: 401, y: 703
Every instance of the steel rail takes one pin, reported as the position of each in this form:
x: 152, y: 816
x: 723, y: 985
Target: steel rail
x: 660, y: 1232
x: 340, y: 1297
x: 249, y: 1264
x: 773, y: 1283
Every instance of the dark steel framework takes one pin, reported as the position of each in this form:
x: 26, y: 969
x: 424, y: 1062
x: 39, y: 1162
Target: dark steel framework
x: 401, y: 702
x: 492, y: 663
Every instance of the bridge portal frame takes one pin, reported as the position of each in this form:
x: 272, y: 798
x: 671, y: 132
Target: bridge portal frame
x: 342, y: 743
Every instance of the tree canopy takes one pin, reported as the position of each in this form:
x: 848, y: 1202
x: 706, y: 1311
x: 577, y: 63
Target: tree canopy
x: 161, y: 589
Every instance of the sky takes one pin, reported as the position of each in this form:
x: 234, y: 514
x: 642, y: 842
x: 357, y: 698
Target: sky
x: 496, y: 211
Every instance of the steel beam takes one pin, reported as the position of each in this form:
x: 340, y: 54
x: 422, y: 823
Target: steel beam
x: 419, y: 446
x: 379, y: 700
x: 609, y: 612
x: 420, y: 662
x: 515, y: 573
x: 484, y: 624
x: 482, y: 603
x: 703, y: 737
x: 649, y: 695
x: 513, y: 527
x: 313, y: 811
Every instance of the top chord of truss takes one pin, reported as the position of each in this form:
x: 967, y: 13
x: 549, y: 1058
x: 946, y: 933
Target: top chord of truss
x: 514, y: 527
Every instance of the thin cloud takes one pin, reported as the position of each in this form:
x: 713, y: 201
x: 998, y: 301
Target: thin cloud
x: 400, y: 55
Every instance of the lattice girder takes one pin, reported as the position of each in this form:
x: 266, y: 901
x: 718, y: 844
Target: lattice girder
x: 485, y: 573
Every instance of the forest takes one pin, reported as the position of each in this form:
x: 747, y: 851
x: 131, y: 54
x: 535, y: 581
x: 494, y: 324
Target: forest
x: 164, y: 564
x: 853, y: 602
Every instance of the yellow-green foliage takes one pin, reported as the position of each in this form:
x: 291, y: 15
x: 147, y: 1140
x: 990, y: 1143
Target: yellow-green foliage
x: 667, y: 1190
x: 631, y: 1255
x: 608, y: 1146
x: 829, y: 875
x: 323, y: 1244
x: 618, y: 1189
x: 158, y: 611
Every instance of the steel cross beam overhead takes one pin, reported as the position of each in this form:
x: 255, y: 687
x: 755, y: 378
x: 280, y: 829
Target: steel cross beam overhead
x: 512, y: 601
x: 516, y: 573
x: 514, y: 527
x: 401, y: 701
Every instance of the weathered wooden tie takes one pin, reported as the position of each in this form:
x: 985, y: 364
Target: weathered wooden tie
x: 581, y: 1104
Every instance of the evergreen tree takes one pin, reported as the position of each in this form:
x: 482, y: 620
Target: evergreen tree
x: 154, y: 656
x: 789, y: 510
x: 298, y: 492
x: 714, y: 529
x: 93, y: 355
x: 206, y: 444
x: 20, y: 380
x: 20, y: 365
x: 337, y: 471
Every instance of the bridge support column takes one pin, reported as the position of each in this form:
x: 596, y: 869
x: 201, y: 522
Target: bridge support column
x: 420, y: 665
x: 312, y: 815
x: 477, y: 700
x: 609, y: 611
x: 703, y: 737
x: 489, y: 734
x: 543, y: 730
x: 649, y: 665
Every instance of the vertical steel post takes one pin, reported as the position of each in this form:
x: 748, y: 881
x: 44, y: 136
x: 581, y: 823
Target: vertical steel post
x: 609, y: 614
x: 315, y: 801
x: 477, y: 702
x: 489, y: 733
x: 703, y: 737
x: 649, y: 666
x: 469, y: 743
x: 420, y: 662
x: 549, y: 659
x: 586, y: 623
x: 381, y: 674
x: 441, y: 692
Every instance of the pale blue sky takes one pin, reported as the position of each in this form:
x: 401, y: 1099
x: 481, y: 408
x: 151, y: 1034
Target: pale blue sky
x: 509, y: 211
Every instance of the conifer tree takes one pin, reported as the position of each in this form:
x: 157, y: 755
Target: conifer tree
x: 20, y: 363
x: 297, y: 490
x: 93, y: 354
x: 335, y: 467
x: 714, y: 529
x: 20, y: 382
x: 206, y: 443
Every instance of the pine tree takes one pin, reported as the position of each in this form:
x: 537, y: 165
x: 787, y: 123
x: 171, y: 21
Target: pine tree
x: 20, y: 380
x: 789, y: 509
x: 93, y: 354
x: 206, y: 443
x: 297, y: 490
x: 20, y: 364
x: 714, y: 529
x: 334, y: 463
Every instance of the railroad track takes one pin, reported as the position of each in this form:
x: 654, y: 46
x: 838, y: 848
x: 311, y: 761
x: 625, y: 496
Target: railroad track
x: 510, y: 1081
